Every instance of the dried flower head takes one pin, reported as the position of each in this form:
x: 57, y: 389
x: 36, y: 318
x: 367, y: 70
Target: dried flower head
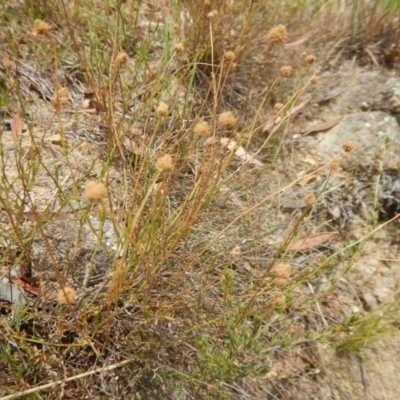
x: 232, y: 67
x: 280, y: 282
x: 227, y: 120
x: 278, y: 107
x: 348, y: 146
x: 334, y: 164
x: 202, y: 129
x: 95, y: 192
x: 309, y: 200
x: 211, y: 141
x: 311, y: 59
x: 278, y: 34
x: 165, y: 164
x: 62, y: 97
x: 286, y: 71
x: 230, y: 56
x: 315, y: 79
x: 41, y: 28
x: 162, y: 109
x: 66, y: 295
x: 236, y: 252
x: 63, y: 92
x: 212, y: 14
x: 122, y: 58
x: 279, y: 301
x: 281, y: 270
x: 178, y: 48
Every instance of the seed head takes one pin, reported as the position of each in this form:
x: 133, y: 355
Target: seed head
x: 348, y: 146
x: 334, y: 164
x: 162, y: 109
x: 279, y: 301
x: 281, y: 270
x: 211, y: 15
x: 61, y: 98
x: 202, y: 129
x: 235, y: 253
x: 286, y: 71
x: 122, y: 58
x: 311, y: 59
x: 211, y: 141
x: 41, y: 28
x: 277, y: 108
x: 309, y: 200
x: 66, y: 295
x: 227, y: 120
x: 178, y: 47
x: 314, y: 79
x: 278, y: 34
x: 280, y: 282
x: 95, y: 192
x: 165, y: 164
x: 230, y: 56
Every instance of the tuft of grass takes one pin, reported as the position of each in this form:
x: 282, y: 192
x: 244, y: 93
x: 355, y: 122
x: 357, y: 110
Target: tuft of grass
x: 364, y: 331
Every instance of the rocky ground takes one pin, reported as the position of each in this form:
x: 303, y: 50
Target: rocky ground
x: 365, y: 109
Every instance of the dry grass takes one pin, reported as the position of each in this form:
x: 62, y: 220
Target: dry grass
x: 159, y: 107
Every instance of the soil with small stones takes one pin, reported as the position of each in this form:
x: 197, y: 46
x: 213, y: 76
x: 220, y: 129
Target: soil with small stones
x: 365, y: 109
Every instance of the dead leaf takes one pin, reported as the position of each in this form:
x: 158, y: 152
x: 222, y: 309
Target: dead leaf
x: 26, y: 277
x: 240, y: 151
x: 17, y: 127
x: 32, y: 279
x: 30, y: 288
x: 16, y: 131
x: 273, y: 242
x: 310, y: 242
x: 298, y: 42
x: 294, y: 110
x: 326, y: 126
x: 308, y: 159
x: 307, y: 179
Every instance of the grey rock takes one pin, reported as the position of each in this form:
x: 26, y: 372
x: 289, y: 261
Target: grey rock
x: 368, y: 91
x: 369, y: 301
x: 12, y: 294
x: 371, y: 132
